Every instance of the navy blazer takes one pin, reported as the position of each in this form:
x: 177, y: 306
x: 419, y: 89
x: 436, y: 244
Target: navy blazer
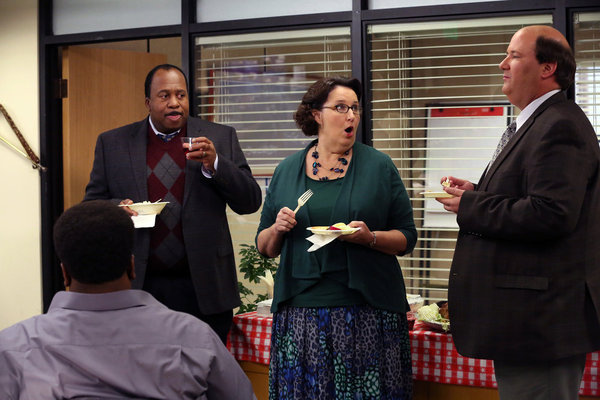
x: 119, y: 172
x: 525, y: 278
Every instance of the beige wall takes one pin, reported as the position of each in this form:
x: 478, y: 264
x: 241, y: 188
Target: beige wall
x: 20, y: 258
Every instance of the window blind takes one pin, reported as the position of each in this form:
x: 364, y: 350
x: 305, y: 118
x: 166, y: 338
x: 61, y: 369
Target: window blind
x: 438, y: 109
x: 587, y: 54
x: 255, y: 82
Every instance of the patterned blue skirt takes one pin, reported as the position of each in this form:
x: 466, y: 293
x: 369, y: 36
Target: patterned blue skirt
x: 350, y: 352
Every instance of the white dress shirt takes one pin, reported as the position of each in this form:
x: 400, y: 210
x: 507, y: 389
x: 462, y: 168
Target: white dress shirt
x: 531, y: 107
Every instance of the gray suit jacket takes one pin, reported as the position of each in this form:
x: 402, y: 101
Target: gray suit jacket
x: 119, y: 172
x: 525, y: 279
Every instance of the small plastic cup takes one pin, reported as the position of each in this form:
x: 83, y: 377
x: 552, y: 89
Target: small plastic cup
x: 186, y: 140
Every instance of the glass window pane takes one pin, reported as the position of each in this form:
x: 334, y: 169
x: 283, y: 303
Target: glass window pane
x: 213, y: 10
x: 255, y: 83
x: 438, y: 109
x: 587, y: 54
x: 379, y: 4
x: 77, y: 16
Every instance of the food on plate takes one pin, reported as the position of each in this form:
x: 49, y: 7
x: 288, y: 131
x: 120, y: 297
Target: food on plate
x: 444, y: 310
x: 147, y: 207
x: 436, y: 194
x: 340, y: 226
x: 431, y: 313
x: 333, y: 230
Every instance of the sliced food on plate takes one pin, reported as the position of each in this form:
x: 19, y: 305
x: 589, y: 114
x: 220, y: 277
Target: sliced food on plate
x: 338, y: 228
x: 435, y: 316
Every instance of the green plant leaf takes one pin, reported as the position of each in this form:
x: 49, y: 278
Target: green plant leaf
x: 253, y: 265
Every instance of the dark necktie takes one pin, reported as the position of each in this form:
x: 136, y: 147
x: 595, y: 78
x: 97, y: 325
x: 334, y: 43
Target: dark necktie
x: 165, y: 137
x: 508, y: 133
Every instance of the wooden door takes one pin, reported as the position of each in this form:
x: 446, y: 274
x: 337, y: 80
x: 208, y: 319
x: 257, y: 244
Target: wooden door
x: 105, y: 90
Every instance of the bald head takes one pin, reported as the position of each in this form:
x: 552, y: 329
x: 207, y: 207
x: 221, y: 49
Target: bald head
x: 547, y: 32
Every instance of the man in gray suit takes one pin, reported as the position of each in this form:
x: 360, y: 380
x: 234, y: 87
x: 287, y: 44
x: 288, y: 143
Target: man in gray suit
x: 524, y: 287
x: 186, y: 260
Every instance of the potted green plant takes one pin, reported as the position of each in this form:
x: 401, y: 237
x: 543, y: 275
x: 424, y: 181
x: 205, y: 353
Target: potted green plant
x: 254, y: 266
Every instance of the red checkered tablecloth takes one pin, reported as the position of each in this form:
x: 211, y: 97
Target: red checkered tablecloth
x: 250, y: 338
x: 434, y: 357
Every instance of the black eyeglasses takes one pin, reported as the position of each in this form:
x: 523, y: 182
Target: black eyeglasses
x: 343, y: 108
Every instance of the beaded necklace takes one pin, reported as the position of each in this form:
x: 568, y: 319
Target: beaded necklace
x: 337, y: 169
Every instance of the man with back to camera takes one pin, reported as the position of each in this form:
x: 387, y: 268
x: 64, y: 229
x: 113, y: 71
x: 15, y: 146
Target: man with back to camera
x: 102, y: 339
x: 524, y: 286
x: 187, y: 260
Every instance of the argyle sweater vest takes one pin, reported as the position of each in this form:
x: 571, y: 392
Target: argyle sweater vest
x: 165, y: 171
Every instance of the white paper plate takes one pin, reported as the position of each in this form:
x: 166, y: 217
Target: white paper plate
x: 322, y: 230
x: 146, y: 208
x: 436, y: 195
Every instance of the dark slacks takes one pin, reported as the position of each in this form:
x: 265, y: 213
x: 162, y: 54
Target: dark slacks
x: 177, y: 293
x: 547, y: 380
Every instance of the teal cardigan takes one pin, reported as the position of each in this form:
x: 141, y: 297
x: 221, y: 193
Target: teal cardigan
x: 373, y: 192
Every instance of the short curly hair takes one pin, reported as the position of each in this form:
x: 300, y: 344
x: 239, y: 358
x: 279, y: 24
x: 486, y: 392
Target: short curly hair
x: 94, y: 241
x: 316, y: 96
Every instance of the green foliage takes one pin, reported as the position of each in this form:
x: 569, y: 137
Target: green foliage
x: 253, y: 265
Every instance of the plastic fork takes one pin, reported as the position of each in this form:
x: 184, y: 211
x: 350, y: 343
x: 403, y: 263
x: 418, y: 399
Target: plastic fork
x: 303, y: 199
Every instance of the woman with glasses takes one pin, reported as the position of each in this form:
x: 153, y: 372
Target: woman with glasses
x: 339, y: 312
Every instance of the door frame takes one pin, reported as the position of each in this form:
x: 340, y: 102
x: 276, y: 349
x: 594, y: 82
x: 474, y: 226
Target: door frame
x: 50, y: 111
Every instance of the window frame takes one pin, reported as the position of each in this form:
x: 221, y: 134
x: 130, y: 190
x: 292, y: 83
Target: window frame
x: 357, y: 19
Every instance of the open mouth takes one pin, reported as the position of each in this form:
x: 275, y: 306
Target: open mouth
x: 349, y: 129
x: 174, y: 116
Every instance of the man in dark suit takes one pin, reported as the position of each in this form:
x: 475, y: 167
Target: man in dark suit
x: 186, y: 260
x: 524, y: 287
